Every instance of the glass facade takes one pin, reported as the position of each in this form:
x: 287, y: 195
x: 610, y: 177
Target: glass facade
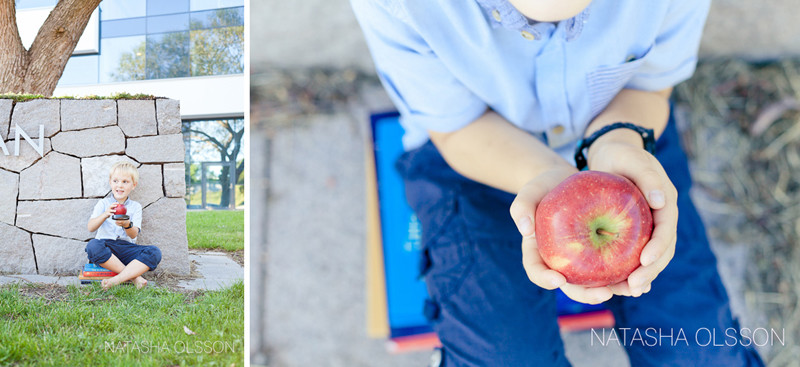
x: 156, y: 39
x: 214, y: 163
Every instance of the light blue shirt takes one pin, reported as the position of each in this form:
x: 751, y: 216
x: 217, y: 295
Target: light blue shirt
x: 445, y: 62
x: 109, y: 230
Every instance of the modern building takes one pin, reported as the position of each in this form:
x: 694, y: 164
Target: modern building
x: 190, y: 50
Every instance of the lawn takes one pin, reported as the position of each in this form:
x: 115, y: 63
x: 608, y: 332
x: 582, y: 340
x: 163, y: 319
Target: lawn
x: 50, y: 325
x: 215, y: 229
x: 213, y: 197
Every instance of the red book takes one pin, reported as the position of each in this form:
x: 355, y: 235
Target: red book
x: 413, y: 343
x: 99, y: 274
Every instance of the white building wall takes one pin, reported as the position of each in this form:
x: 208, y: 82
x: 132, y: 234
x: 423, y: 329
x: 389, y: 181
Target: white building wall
x: 201, y: 97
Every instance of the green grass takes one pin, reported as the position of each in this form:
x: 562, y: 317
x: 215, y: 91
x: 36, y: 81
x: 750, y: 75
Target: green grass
x: 28, y: 97
x: 215, y: 229
x: 133, y: 328
x: 214, y: 197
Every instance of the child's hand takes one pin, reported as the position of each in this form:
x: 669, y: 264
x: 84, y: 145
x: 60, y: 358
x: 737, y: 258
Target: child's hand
x: 647, y: 173
x: 122, y: 223
x: 110, y: 211
x: 522, y: 211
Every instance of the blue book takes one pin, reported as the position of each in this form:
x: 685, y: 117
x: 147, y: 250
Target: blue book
x: 400, y: 231
x: 401, y: 235
x: 93, y: 267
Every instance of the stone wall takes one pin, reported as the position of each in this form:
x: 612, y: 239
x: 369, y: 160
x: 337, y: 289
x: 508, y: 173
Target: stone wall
x: 46, y: 202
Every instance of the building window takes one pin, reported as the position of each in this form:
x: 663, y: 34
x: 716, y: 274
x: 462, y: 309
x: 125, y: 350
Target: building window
x: 120, y: 9
x: 124, y: 27
x: 195, y: 5
x: 214, y: 163
x: 160, y: 7
x: 122, y: 59
x: 158, y: 39
x: 167, y: 55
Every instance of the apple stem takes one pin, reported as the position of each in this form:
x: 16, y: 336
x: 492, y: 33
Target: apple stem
x: 603, y: 232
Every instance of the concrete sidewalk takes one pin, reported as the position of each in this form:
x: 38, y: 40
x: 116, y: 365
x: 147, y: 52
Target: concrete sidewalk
x: 215, y: 269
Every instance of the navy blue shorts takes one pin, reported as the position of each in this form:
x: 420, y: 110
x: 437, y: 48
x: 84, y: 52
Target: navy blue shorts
x: 99, y: 251
x: 487, y: 313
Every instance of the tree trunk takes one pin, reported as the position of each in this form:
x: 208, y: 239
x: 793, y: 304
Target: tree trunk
x: 225, y: 184
x: 36, y: 71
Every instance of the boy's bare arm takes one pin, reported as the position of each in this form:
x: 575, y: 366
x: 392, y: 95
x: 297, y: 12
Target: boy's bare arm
x: 494, y: 152
x: 131, y: 232
x: 97, y: 221
x: 646, y: 109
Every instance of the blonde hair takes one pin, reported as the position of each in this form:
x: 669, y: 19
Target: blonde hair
x: 125, y: 168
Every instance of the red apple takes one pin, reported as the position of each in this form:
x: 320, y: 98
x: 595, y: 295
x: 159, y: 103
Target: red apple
x: 592, y: 228
x: 120, y: 210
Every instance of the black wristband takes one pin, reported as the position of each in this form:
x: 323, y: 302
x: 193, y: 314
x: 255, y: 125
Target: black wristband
x: 648, y: 137
x: 130, y: 225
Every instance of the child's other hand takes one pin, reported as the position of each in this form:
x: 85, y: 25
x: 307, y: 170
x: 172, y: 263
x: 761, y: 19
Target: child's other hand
x: 647, y: 173
x: 122, y: 223
x: 522, y: 211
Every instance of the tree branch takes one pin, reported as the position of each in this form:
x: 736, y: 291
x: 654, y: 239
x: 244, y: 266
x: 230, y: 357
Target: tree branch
x: 13, y: 56
x: 209, y: 138
x: 55, y: 43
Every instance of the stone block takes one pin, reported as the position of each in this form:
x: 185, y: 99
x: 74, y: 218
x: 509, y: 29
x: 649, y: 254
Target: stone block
x: 175, y: 180
x: 91, y: 142
x: 150, y: 187
x: 9, y: 188
x: 56, y: 255
x: 27, y: 154
x: 137, y: 117
x: 56, y: 176
x: 164, y: 225
x: 30, y: 114
x: 168, y: 112
x: 82, y: 114
x: 47, y: 199
x: 95, y: 172
x: 157, y: 149
x: 5, y: 117
x: 16, y: 253
x: 61, y: 218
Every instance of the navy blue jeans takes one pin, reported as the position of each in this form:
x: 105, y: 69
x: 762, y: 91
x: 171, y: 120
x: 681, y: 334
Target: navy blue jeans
x: 99, y: 251
x: 487, y: 313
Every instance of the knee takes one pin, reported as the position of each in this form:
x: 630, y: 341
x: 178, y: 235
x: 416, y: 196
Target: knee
x: 154, y: 255
x: 96, y: 250
x: 94, y: 247
x: 157, y: 254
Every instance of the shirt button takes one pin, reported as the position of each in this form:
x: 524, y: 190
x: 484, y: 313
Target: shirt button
x: 528, y: 36
x: 496, y: 15
x: 558, y: 129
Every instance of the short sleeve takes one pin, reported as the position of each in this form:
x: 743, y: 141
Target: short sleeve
x: 425, y: 92
x: 674, y: 55
x: 99, y: 208
x: 136, y: 216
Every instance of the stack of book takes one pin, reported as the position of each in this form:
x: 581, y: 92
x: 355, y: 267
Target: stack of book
x: 395, y: 292
x: 94, y: 273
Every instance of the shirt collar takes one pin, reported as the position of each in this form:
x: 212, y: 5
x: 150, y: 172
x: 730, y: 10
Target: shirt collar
x: 111, y: 199
x: 510, y: 18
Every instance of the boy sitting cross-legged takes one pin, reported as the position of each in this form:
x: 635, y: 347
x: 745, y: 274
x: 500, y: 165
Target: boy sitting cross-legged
x: 114, y: 247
